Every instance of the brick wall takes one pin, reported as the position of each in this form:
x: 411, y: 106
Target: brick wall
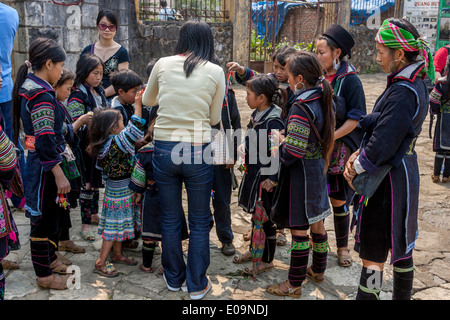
x: 299, y: 25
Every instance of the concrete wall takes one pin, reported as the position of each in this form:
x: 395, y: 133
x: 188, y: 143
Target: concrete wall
x: 72, y: 26
x: 75, y: 27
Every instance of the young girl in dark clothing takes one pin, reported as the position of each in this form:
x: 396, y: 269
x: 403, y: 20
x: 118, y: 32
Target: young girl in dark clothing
x: 43, y: 117
x: 280, y: 74
x: 261, y: 165
x: 113, y: 145
x: 63, y: 89
x: 86, y: 97
x: 302, y: 201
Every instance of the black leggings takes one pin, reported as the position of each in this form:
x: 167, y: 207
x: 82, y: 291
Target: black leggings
x: 439, y: 160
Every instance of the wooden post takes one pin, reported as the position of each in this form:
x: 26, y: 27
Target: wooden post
x: 345, y: 13
x: 239, y: 13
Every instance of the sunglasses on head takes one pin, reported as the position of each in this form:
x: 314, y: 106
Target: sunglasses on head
x: 103, y: 27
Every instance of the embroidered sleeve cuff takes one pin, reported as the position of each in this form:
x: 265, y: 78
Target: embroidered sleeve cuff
x: 242, y: 79
x: 137, y: 118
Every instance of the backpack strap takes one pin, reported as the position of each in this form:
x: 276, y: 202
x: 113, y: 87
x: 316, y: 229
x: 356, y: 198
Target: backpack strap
x: 310, y: 121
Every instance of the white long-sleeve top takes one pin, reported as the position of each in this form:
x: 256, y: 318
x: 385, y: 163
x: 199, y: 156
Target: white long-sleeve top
x: 188, y: 107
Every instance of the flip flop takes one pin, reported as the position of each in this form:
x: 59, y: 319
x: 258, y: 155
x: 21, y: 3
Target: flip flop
x: 109, y: 271
x: 87, y: 236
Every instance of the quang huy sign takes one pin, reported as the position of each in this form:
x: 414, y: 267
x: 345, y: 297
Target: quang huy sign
x: 424, y: 15
x: 443, y: 34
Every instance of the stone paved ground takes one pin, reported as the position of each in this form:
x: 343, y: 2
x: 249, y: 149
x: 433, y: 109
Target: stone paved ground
x: 432, y: 253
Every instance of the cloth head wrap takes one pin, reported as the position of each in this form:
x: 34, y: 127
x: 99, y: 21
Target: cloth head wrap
x: 394, y: 37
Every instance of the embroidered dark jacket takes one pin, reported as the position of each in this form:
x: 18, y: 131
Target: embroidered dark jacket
x: 43, y: 119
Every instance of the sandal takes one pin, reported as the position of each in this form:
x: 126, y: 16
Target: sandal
x: 87, y: 236
x: 58, y: 267
x: 71, y: 247
x: 281, y: 238
x: 107, y: 271
x: 96, y: 221
x: 55, y: 281
x: 10, y: 265
x: 344, y: 258
x: 247, y: 236
x: 160, y: 271
x: 266, y: 267
x: 445, y: 179
x: 146, y: 270
x: 293, y: 292
x: 130, y: 244
x: 316, y: 277
x: 434, y: 178
x: 241, y: 258
x: 124, y: 260
x: 63, y: 259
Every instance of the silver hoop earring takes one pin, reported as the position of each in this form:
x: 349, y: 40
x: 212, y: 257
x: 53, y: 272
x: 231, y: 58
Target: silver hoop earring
x: 336, y: 64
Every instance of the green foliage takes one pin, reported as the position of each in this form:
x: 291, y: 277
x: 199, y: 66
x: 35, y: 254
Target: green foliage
x: 257, y: 47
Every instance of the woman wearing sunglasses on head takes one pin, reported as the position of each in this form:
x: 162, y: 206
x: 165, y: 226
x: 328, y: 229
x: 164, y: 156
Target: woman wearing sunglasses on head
x: 114, y: 56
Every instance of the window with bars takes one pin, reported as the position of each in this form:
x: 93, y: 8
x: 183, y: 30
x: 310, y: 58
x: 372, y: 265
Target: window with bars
x: 183, y: 10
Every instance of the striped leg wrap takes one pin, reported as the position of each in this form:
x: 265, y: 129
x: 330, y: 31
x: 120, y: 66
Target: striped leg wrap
x: 403, y: 279
x: 148, y: 250
x: 40, y: 256
x: 299, y: 260
x: 320, y: 252
x: 86, y: 203
x: 341, y: 225
x: 369, y: 284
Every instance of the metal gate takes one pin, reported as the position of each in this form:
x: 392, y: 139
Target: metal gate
x: 277, y: 23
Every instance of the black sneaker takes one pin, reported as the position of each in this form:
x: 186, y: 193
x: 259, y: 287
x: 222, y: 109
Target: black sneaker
x: 228, y: 249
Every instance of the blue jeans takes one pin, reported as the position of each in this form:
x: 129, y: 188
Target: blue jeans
x: 221, y: 203
x: 7, y: 125
x: 172, y: 166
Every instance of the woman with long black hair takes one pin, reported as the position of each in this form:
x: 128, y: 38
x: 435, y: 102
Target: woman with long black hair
x: 302, y: 202
x: 34, y: 103
x: 189, y: 89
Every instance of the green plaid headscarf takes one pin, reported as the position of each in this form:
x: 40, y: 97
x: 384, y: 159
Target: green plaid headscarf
x: 394, y: 37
